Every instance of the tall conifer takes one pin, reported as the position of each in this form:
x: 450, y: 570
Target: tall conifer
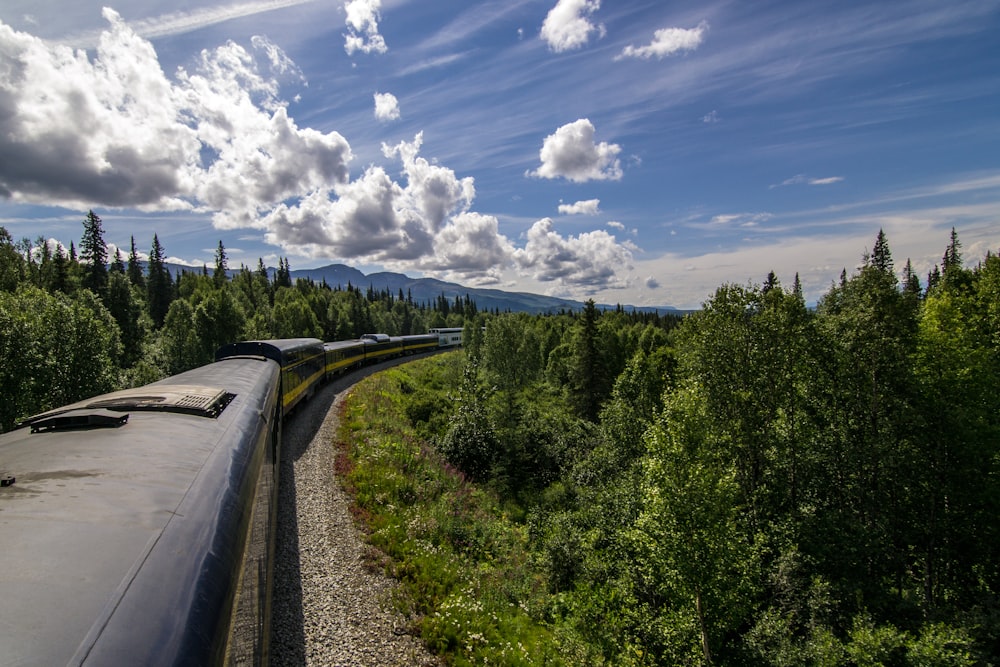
x: 95, y: 254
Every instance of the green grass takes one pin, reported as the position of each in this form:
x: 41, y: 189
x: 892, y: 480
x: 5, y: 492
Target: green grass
x: 466, y: 575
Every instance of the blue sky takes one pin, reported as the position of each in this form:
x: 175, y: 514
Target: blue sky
x: 633, y: 152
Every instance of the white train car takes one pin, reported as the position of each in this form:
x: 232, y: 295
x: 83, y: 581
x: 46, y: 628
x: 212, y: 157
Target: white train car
x: 448, y: 336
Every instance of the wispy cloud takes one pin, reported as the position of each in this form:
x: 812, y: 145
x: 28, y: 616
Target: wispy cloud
x: 802, y: 179
x: 432, y: 63
x: 176, y: 23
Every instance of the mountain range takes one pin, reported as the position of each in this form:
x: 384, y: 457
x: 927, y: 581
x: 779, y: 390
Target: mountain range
x: 429, y: 289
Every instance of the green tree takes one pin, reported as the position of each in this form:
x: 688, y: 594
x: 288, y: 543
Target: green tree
x: 589, y: 377
x: 182, y: 347
x: 292, y: 316
x: 470, y: 444
x: 94, y: 253
x: 219, y: 319
x: 221, y: 273
x: 692, y: 555
x: 868, y: 431
x: 126, y: 311
x: 54, y: 350
x: 134, y: 269
x: 11, y: 263
x: 158, y: 284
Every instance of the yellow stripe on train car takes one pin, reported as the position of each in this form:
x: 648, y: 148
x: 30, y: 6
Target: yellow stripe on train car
x: 292, y: 396
x: 344, y: 362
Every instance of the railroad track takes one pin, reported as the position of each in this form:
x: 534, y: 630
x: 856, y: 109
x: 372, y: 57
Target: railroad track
x: 328, y: 608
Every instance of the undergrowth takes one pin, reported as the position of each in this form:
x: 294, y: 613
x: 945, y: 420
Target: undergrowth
x: 467, y: 580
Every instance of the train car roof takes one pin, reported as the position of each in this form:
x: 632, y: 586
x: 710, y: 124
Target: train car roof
x: 104, y: 536
x: 339, y: 344
x: 272, y: 349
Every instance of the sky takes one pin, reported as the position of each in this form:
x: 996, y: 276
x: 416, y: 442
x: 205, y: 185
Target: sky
x: 639, y: 152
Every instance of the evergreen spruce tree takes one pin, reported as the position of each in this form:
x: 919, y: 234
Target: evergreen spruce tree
x: 220, y: 274
x: 911, y: 283
x: 134, y: 268
x: 160, y: 288
x: 60, y: 271
x: 589, y: 381
x: 95, y: 254
x: 881, y: 258
x: 118, y: 264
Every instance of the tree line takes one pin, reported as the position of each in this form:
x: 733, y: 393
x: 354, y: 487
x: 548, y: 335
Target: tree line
x: 764, y: 483
x: 77, y: 323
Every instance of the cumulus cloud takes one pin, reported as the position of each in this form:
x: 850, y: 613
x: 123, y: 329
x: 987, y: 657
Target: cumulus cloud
x: 585, y: 207
x: 614, y: 224
x: 386, y: 107
x: 592, y: 259
x: 425, y: 223
x: 667, y: 42
x: 109, y: 128
x: 567, y: 25
x: 572, y: 154
x: 802, y: 179
x: 362, y: 27
x: 116, y: 131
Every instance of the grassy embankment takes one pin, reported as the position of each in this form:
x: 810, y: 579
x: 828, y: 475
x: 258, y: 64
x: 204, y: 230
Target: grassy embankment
x: 466, y: 573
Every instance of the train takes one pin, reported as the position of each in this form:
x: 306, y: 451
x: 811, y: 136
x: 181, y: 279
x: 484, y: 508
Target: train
x: 139, y: 525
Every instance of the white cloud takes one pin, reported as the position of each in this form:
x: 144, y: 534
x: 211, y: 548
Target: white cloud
x: 116, y: 131
x: 470, y: 249
x: 585, y: 207
x: 386, y: 107
x: 434, y: 191
x: 590, y: 260
x: 427, y: 224
x: 667, y: 42
x: 572, y: 154
x: 826, y: 181
x: 802, y: 179
x: 567, y: 25
x: 111, y: 129
x: 614, y: 224
x: 711, y: 117
x: 424, y: 224
x: 177, y: 23
x: 740, y: 219
x: 362, y: 27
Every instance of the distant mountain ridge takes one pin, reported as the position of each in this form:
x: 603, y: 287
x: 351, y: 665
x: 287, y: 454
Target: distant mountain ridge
x: 428, y: 289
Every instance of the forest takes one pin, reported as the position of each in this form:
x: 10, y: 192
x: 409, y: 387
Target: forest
x: 758, y: 483
x: 762, y: 483
x: 73, y: 325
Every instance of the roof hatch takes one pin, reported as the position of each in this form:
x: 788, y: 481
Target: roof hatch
x: 195, y: 400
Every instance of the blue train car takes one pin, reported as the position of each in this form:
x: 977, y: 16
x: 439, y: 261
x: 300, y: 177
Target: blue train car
x: 381, y: 347
x: 302, y: 361
x: 415, y: 343
x: 343, y: 355
x: 139, y: 524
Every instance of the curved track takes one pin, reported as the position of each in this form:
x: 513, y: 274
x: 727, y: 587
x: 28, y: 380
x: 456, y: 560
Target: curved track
x: 328, y: 609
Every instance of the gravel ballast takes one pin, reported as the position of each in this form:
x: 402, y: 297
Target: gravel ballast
x: 328, y: 608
